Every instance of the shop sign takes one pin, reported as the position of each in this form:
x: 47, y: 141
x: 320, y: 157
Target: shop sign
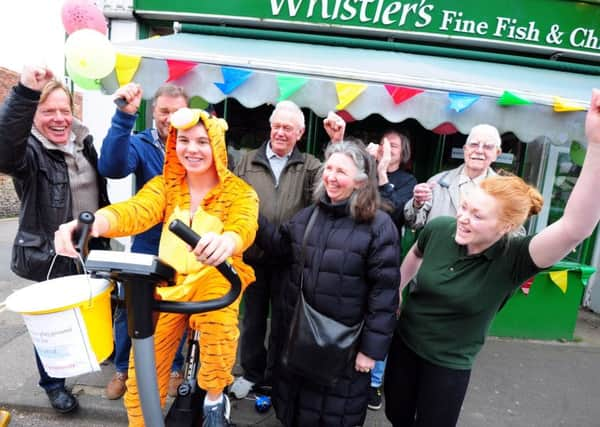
x: 547, y: 25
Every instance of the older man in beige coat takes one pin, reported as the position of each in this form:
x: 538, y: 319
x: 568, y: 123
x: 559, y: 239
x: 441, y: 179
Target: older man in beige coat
x: 441, y: 194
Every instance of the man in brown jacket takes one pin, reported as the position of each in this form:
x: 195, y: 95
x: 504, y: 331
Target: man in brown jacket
x: 283, y: 177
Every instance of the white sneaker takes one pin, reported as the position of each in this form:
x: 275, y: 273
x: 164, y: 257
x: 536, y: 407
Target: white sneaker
x: 241, y: 387
x: 217, y: 415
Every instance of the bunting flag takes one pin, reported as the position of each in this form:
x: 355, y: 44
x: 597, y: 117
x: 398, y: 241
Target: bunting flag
x: 526, y: 286
x: 563, y: 106
x: 179, y: 68
x: 288, y: 85
x: 586, y: 271
x: 400, y: 93
x: 198, y: 102
x: 346, y: 116
x: 232, y: 79
x: 577, y: 153
x: 559, y: 278
x: 347, y: 93
x: 445, y: 128
x: 126, y: 67
x: 461, y: 101
x: 508, y: 99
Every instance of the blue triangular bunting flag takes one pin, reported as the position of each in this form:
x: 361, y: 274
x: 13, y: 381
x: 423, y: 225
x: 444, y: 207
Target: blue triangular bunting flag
x: 461, y: 101
x: 232, y: 78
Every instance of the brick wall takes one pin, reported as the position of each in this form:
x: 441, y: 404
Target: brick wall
x: 9, y: 202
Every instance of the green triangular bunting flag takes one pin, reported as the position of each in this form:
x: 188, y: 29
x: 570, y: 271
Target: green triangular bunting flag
x: 507, y: 99
x: 577, y: 153
x: 288, y: 85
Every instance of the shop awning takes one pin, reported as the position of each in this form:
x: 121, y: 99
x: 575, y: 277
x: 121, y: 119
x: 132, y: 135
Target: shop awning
x: 324, y: 66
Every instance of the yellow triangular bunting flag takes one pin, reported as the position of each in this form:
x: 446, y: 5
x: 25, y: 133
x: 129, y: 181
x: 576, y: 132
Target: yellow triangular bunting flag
x: 126, y: 67
x: 563, y: 106
x: 348, y: 92
x: 560, y: 279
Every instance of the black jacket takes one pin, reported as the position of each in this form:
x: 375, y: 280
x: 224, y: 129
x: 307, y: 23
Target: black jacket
x: 41, y: 181
x: 352, y: 272
x: 397, y: 196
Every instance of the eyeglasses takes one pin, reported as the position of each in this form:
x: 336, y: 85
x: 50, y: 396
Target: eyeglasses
x: 474, y: 145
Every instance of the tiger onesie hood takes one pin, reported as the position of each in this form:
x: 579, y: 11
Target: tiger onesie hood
x: 230, y: 207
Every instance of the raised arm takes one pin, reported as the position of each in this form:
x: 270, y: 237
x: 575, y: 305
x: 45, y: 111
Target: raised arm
x: 582, y: 211
x: 417, y: 208
x: 16, y: 119
x: 117, y: 155
x: 335, y: 127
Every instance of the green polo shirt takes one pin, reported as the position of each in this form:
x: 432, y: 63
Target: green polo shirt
x: 446, y: 317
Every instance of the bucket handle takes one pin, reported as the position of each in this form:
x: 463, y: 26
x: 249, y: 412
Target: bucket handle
x: 79, y: 259
x: 85, y: 273
x: 80, y: 240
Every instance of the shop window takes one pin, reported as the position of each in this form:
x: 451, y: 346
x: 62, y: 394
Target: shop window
x: 509, y: 159
x: 562, y: 170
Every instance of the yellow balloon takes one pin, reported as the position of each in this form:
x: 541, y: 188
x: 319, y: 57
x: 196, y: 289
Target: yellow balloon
x: 90, y: 54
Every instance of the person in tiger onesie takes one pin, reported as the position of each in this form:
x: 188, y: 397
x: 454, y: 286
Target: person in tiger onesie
x: 197, y: 188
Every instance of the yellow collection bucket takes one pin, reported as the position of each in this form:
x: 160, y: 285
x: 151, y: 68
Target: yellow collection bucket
x: 69, y: 320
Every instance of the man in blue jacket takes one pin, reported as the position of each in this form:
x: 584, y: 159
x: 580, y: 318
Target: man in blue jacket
x: 142, y: 154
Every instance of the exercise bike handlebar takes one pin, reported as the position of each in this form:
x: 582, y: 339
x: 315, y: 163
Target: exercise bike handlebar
x: 191, y: 238
x: 181, y: 230
x: 82, y: 232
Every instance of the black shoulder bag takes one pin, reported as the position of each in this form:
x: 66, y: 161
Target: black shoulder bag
x: 318, y: 348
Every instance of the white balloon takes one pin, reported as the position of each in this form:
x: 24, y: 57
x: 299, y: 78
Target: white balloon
x: 90, y: 54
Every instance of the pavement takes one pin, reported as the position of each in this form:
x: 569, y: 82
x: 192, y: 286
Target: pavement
x: 521, y: 383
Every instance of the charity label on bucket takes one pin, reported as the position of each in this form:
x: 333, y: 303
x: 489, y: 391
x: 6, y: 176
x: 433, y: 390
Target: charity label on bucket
x: 69, y: 321
x: 62, y: 343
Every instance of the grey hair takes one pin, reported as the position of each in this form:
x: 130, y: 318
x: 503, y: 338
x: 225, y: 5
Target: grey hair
x: 364, y: 200
x: 290, y: 107
x: 172, y: 91
x: 404, y: 144
x: 490, y: 132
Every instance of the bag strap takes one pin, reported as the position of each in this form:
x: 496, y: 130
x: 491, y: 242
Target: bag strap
x: 309, y: 227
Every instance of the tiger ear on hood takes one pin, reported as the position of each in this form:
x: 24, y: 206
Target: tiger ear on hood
x: 221, y: 123
x: 185, y: 118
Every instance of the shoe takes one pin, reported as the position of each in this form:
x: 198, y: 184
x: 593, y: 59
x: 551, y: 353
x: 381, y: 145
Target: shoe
x: 217, y: 415
x: 62, y: 400
x: 174, y: 383
x: 116, y: 386
x: 374, y: 398
x: 241, y: 387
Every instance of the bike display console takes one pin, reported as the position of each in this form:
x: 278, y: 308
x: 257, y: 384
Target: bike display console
x: 118, y: 265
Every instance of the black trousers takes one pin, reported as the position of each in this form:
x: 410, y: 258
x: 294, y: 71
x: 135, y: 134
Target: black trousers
x: 257, y: 360
x: 419, y: 393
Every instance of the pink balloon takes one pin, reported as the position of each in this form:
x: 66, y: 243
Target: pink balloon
x: 82, y: 14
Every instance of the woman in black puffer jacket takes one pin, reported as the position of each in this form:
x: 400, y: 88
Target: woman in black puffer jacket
x: 351, y: 273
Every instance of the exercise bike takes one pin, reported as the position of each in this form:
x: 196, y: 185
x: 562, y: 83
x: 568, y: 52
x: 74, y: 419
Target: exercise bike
x: 140, y: 274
